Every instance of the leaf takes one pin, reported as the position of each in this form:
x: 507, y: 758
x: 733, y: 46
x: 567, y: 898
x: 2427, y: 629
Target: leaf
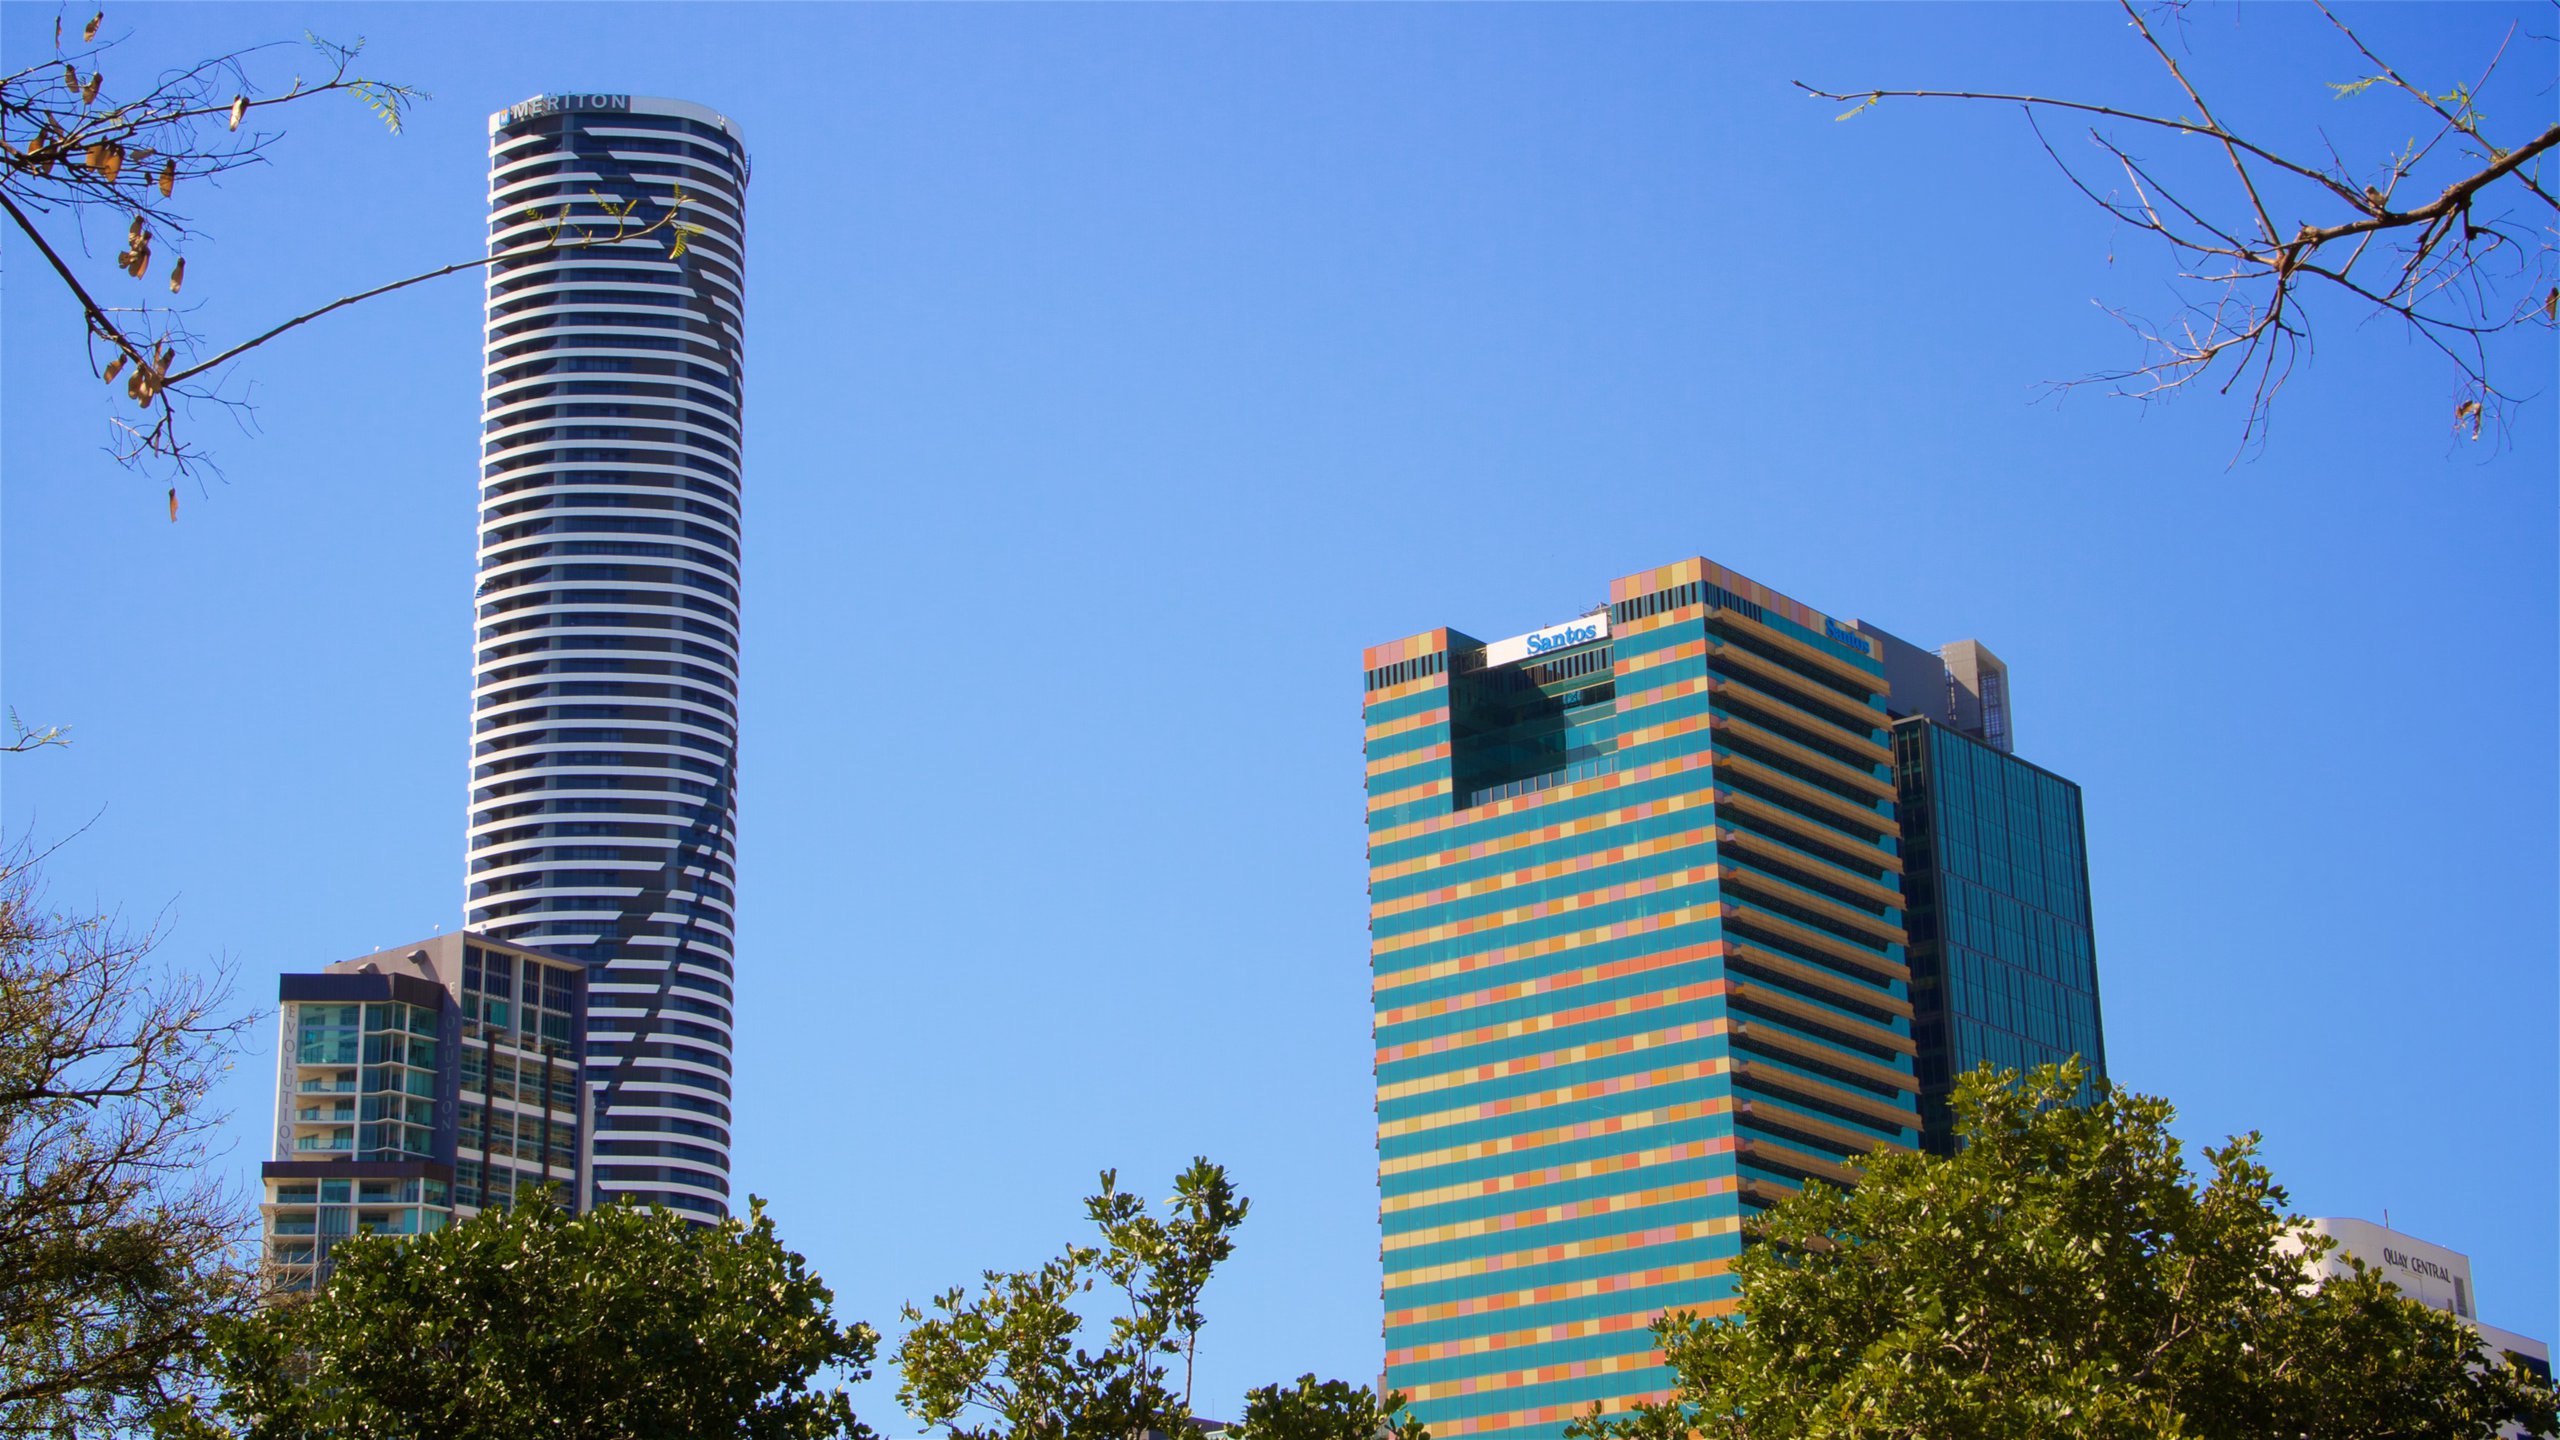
x: 89, y: 92
x: 173, y: 504
x: 2353, y: 87
x: 383, y: 101
x: 115, y: 367
x: 89, y: 31
x: 2551, y: 304
x: 177, y: 274
x: 239, y: 108
x: 107, y: 158
x: 168, y: 179
x: 1867, y: 103
x: 2468, y: 410
x: 70, y: 77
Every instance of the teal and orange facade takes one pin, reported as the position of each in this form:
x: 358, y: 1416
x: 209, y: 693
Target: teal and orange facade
x: 1638, y: 967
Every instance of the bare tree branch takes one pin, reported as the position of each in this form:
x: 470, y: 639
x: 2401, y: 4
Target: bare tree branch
x: 2458, y: 274
x: 116, y: 1250
x: 69, y: 151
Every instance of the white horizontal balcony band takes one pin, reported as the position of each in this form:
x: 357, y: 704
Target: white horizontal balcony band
x: 630, y: 632
x: 645, y: 537
x: 532, y: 258
x: 520, y: 635
x: 533, y: 239
x: 673, y: 281
x: 559, y: 175
x: 495, y: 456
x: 501, y: 561
x: 486, y: 766
x: 513, y: 887
x: 670, y: 1036
x: 713, y: 740
x: 696, y: 415
x: 578, y: 503
x: 537, y: 185
x: 650, y: 603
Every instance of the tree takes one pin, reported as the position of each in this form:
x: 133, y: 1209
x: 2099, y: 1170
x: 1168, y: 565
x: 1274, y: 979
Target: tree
x: 1326, y: 1410
x: 1008, y: 1365
x: 2453, y: 233
x: 530, y: 1324
x: 1012, y: 1353
x: 116, y: 1254
x: 73, y: 154
x: 2063, y: 1275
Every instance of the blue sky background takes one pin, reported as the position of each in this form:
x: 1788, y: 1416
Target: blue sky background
x: 1117, y: 373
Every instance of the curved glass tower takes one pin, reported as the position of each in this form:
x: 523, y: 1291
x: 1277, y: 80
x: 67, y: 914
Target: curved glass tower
x: 605, y: 682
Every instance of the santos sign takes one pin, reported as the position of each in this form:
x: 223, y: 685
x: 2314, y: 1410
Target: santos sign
x: 1554, y: 637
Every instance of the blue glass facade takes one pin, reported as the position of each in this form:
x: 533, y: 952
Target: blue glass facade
x: 1996, y: 872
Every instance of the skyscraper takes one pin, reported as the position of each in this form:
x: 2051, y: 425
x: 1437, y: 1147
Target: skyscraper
x: 2004, y: 966
x: 604, y: 725
x: 1638, y: 967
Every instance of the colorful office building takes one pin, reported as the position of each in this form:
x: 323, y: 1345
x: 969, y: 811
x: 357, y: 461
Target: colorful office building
x: 418, y: 1086
x: 1638, y: 949
x: 2004, y: 967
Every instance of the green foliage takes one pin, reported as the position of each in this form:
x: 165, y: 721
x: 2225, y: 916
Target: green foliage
x: 2063, y: 1275
x: 531, y: 1324
x: 1007, y: 1364
x: 1325, y: 1410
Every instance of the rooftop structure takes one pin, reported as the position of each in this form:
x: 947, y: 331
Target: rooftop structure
x: 417, y: 1086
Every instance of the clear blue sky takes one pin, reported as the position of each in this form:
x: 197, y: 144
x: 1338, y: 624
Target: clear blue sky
x: 1117, y: 373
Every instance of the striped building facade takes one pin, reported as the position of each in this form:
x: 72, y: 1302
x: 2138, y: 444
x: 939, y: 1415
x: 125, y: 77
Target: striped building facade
x: 604, y: 729
x: 1638, y: 968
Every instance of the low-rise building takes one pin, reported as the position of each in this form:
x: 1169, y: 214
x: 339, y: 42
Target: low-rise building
x: 417, y: 1086
x: 2425, y: 1272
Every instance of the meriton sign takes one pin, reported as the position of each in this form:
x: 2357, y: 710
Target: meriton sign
x: 555, y: 104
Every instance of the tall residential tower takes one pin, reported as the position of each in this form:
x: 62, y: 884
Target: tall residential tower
x: 605, y: 692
